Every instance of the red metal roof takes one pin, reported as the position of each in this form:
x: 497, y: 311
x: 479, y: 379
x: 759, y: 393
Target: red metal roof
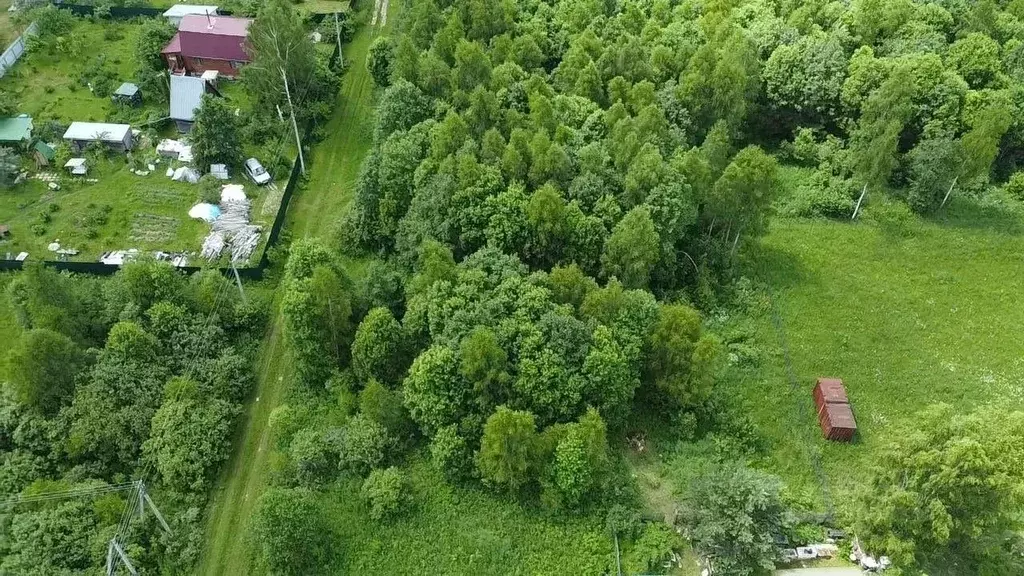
x: 219, y: 37
x: 174, y: 46
x: 222, y: 25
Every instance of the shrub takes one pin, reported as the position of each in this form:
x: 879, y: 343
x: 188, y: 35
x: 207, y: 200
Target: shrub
x: 449, y: 452
x: 288, y: 533
x: 824, y: 195
x: 1015, y: 186
x: 804, y: 148
x: 364, y: 444
x: 382, y: 492
x: 209, y: 189
x: 315, y: 458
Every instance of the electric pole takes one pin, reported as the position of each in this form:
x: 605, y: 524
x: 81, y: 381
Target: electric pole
x: 238, y: 281
x: 298, y: 142
x: 337, y: 36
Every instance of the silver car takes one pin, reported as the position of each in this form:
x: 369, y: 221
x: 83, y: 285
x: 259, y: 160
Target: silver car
x: 257, y: 173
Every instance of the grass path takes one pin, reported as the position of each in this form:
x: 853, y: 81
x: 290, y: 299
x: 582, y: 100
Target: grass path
x: 313, y: 213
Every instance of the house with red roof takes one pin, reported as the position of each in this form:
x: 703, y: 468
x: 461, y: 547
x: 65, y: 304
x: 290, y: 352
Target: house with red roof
x: 207, y: 42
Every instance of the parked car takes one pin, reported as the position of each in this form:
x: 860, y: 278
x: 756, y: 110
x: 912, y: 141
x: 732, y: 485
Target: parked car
x: 257, y: 173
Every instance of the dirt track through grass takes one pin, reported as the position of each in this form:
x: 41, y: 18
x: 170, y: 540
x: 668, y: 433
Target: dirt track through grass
x: 313, y: 213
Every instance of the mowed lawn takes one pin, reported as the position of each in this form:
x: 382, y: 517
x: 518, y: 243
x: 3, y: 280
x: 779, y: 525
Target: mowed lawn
x: 931, y: 315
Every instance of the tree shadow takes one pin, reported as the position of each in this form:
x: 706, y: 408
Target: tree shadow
x: 995, y: 213
x: 778, y: 267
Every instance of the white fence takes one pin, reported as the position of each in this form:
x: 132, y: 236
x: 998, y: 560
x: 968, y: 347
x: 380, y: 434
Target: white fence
x: 15, y: 50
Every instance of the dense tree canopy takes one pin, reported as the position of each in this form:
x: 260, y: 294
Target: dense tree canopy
x: 947, y: 493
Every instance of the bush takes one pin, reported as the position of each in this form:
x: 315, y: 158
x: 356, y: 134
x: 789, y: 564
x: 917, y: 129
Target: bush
x: 382, y: 492
x: 314, y: 456
x: 804, y: 148
x: 449, y: 453
x: 895, y: 219
x: 209, y: 189
x: 1015, y: 186
x: 53, y: 22
x: 364, y: 444
x: 824, y: 195
x: 288, y: 533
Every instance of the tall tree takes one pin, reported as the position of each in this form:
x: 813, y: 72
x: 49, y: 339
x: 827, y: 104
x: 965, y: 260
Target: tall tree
x: 740, y: 201
x: 215, y: 136
x: 633, y: 249
x: 278, y: 43
x: 885, y: 114
x: 507, y: 456
x: 43, y: 367
x: 680, y: 357
x: 946, y: 492
x: 378, y: 348
x: 733, y: 513
x: 380, y: 60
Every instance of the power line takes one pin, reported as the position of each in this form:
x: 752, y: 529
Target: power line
x: 68, y: 493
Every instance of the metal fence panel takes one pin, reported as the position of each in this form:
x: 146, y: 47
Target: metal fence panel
x: 16, y: 49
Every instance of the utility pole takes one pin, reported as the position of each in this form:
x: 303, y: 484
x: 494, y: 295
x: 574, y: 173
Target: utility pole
x: 115, y: 553
x: 298, y: 142
x: 238, y: 281
x: 115, y: 548
x: 337, y: 36
x: 856, y: 209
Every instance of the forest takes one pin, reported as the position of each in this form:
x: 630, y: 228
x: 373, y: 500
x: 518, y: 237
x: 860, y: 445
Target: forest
x: 554, y: 259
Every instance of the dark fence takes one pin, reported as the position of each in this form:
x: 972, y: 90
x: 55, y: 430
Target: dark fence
x: 120, y: 13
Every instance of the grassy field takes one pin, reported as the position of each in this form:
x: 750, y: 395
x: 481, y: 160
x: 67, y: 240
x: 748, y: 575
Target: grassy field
x: 313, y: 212
x: 926, y: 312
x: 121, y: 210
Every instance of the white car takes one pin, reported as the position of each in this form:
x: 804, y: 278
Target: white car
x: 257, y: 173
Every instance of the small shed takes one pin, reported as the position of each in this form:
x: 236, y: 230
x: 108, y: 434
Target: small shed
x: 17, y: 130
x: 186, y: 97
x: 129, y: 94
x: 219, y: 171
x: 77, y: 166
x: 837, y: 422
x: 43, y: 153
x: 115, y: 136
x: 175, y: 13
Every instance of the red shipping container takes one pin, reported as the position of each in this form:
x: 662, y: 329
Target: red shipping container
x: 837, y: 422
x: 828, y: 391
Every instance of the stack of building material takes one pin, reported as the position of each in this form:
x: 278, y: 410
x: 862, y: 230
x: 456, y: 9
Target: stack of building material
x: 834, y: 413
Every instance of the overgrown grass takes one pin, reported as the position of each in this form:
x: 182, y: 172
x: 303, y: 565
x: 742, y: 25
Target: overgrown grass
x: 47, y: 84
x: 907, y: 311
x: 456, y: 530
x: 10, y: 330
